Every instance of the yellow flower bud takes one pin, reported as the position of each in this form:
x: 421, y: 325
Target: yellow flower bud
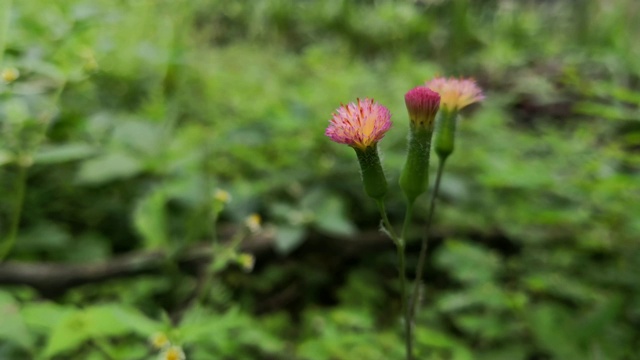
x: 247, y: 261
x: 159, y: 341
x: 253, y: 222
x: 173, y: 353
x: 222, y: 196
x: 10, y: 75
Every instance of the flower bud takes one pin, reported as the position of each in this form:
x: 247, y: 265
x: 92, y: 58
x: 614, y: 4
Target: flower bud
x: 422, y: 105
x: 9, y: 75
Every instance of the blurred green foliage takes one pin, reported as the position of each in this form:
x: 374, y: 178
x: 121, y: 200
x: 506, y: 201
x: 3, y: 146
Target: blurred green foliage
x: 128, y: 115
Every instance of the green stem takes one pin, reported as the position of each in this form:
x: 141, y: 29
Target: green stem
x: 407, y: 323
x: 403, y: 277
x: 407, y: 222
x: 219, y: 253
x: 405, y: 309
x: 386, y: 223
x: 212, y: 213
x: 414, y: 179
x: 373, y: 179
x: 21, y: 184
x: 425, y: 241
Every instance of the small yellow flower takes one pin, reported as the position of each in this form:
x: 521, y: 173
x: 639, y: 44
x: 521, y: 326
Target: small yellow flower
x: 159, y: 341
x: 247, y: 261
x: 173, y: 353
x: 253, y: 222
x: 222, y: 196
x: 10, y: 75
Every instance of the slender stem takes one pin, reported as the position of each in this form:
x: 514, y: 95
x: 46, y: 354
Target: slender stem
x: 387, y: 224
x: 212, y: 213
x: 225, y: 253
x: 407, y: 222
x: 403, y: 277
x: 405, y: 309
x: 20, y: 186
x: 408, y: 326
x: 425, y: 241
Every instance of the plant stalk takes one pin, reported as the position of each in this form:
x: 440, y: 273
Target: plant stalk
x: 425, y: 241
x: 408, y: 326
x: 400, y: 245
x: 407, y: 222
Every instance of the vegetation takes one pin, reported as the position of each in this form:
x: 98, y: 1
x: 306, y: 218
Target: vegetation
x: 139, y: 138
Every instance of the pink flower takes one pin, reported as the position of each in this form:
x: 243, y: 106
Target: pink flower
x: 359, y: 124
x: 456, y: 94
x: 422, y: 104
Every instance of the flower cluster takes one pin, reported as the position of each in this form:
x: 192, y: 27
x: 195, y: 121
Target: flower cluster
x: 173, y: 353
x: 160, y: 341
x: 363, y: 124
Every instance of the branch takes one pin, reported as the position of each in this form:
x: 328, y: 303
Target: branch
x: 52, y: 279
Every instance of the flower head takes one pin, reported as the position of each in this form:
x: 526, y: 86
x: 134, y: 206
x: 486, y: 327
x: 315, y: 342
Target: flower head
x: 359, y: 124
x: 222, y: 196
x: 456, y: 94
x: 159, y: 340
x: 9, y: 75
x: 173, y: 353
x: 253, y: 222
x: 246, y: 261
x: 422, y: 104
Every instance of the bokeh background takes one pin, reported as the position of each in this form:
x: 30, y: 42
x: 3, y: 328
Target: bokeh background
x: 130, y: 122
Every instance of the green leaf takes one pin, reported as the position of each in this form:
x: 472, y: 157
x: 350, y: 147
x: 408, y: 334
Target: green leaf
x: 109, y: 167
x: 100, y: 321
x: 288, y: 238
x: 13, y: 327
x: 64, y: 153
x: 5, y: 157
x: 68, y: 334
x: 143, y: 136
x: 554, y: 329
x: 42, y: 317
x: 486, y: 326
x: 149, y: 219
x: 16, y: 111
x: 469, y: 263
x: 438, y: 340
x: 89, y: 247
x: 105, y: 320
x: 136, y: 321
x: 117, y: 320
x: 332, y: 219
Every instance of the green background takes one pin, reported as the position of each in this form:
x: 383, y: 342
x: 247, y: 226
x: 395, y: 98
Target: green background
x: 130, y: 114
